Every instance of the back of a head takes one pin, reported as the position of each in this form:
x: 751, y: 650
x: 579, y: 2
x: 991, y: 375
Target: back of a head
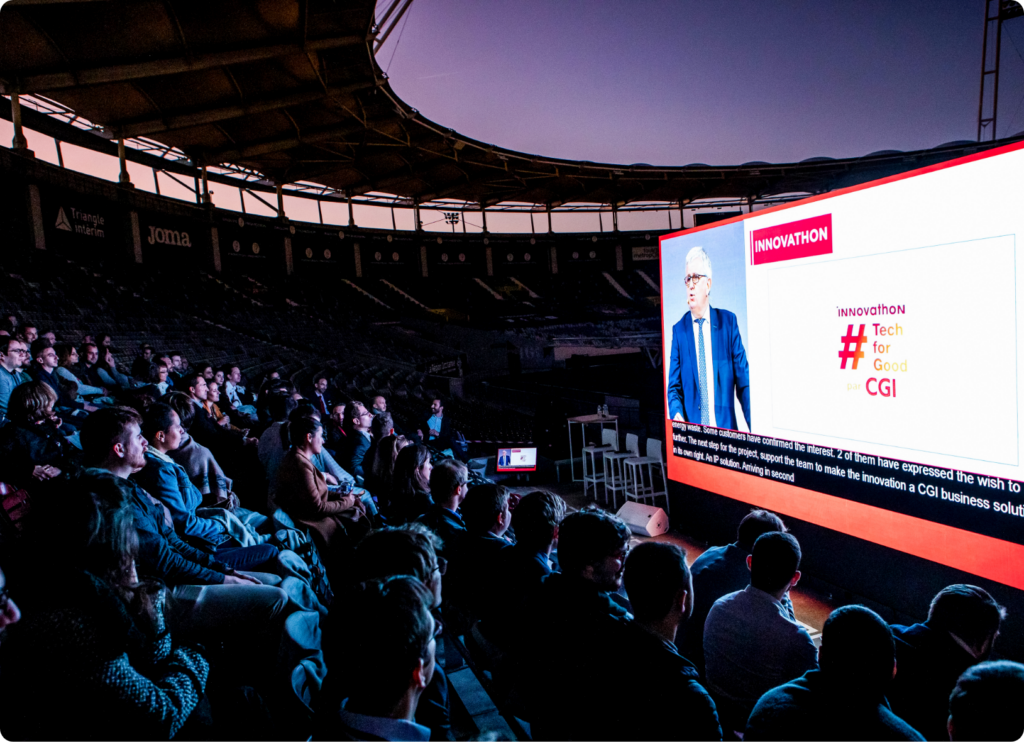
x: 102, y: 429
x: 382, y: 425
x: 482, y: 505
x: 775, y: 559
x: 535, y: 519
x: 655, y: 572
x: 406, y: 550
x: 967, y: 611
x: 157, y: 418
x: 383, y: 465
x: 38, y: 346
x: 31, y: 402
x: 588, y: 536
x: 857, y: 649
x: 410, y: 460
x: 445, y: 477
x: 184, y: 406
x: 755, y: 524
x: 391, y: 618
x: 280, y: 405
x: 985, y: 704
x: 299, y: 430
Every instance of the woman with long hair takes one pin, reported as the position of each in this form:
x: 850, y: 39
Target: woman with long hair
x: 120, y: 675
x: 381, y: 474
x: 410, y: 489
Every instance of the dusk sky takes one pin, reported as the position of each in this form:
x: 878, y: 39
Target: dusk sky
x: 722, y: 83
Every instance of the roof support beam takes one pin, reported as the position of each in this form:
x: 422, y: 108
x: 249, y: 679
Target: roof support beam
x: 44, y: 82
x: 281, y: 144
x: 200, y: 117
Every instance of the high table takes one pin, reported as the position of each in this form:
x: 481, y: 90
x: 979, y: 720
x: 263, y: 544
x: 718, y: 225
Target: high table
x: 584, y: 421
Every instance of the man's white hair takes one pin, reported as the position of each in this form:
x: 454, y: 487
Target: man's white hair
x: 700, y: 260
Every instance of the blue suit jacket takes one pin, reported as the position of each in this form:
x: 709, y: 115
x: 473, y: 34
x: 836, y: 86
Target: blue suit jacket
x: 730, y: 365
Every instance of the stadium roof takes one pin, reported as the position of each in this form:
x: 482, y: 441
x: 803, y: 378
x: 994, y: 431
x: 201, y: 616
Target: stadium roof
x: 291, y: 89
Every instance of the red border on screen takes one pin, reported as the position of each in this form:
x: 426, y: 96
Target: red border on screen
x: 987, y: 557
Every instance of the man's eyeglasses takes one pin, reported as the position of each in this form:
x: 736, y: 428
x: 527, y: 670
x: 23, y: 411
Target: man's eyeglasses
x: 442, y: 565
x: 693, y: 279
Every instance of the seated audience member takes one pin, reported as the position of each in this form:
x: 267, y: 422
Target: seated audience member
x: 43, y: 368
x: 272, y: 443
x: 302, y: 493
x: 168, y: 483
x: 205, y: 370
x: 845, y: 699
x: 391, y: 665
x: 985, y: 704
x: 94, y: 634
x: 212, y: 408
x: 436, y: 428
x: 157, y: 382
x: 319, y: 396
x: 410, y: 490
x: 105, y: 369
x: 51, y: 336
x: 29, y: 334
x: 32, y: 448
x: 211, y: 599
x: 381, y: 426
x: 239, y: 400
x: 962, y: 626
x: 140, y: 366
x: 722, y: 570
x: 380, y: 405
x: 224, y: 442
x: 407, y: 550
x: 474, y: 564
x: 357, y: 438
x: 334, y: 427
x: 86, y: 369
x: 381, y: 476
x: 67, y: 358
x: 750, y: 642
x: 522, y: 569
x: 13, y: 356
x: 669, y: 702
x: 198, y: 461
x: 448, y: 487
x: 572, y: 614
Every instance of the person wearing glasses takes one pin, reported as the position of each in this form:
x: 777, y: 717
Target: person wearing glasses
x: 358, y: 421
x: 708, y: 363
x: 13, y: 357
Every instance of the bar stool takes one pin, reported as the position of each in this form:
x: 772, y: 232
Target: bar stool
x: 614, y: 472
x: 592, y: 476
x: 636, y: 487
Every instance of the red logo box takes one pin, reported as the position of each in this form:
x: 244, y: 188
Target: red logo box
x: 800, y: 239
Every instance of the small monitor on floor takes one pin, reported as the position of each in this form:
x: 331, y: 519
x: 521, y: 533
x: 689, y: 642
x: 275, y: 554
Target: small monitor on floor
x: 517, y: 459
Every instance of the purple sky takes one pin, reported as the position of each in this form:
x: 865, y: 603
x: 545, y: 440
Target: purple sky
x: 674, y: 83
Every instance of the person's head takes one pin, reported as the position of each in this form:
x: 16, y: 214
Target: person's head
x: 280, y: 405
x: 485, y: 509
x: 754, y: 524
x: 66, y: 354
x: 176, y: 361
x: 400, y: 442
x: 31, y: 402
x: 13, y: 353
x: 658, y: 582
x: 44, y: 355
x: 29, y: 333
x: 393, y: 660
x: 412, y: 469
x: 383, y: 464
x: 104, y: 340
x: 219, y: 377
x: 205, y: 370
x: 91, y: 352
x: 9, y: 612
x: 112, y: 439
x: 536, y: 520
x: 380, y: 404
x: 307, y: 435
x: 381, y: 425
x: 774, y: 562
x: 358, y: 417
x: 320, y: 383
x: 197, y: 387
x: 857, y: 650
x: 51, y: 336
x: 698, y: 281
x: 166, y: 360
x: 437, y: 406
x: 449, y: 483
x: 985, y: 704
x: 161, y: 426
x: 338, y: 414
x: 234, y: 374
x: 404, y: 550
x: 593, y: 544
x: 156, y: 373
x: 212, y: 392
x: 146, y: 351
x: 183, y: 405
x: 970, y: 613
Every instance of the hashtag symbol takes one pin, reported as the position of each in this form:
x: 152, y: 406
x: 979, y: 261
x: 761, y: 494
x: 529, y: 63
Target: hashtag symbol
x: 856, y: 354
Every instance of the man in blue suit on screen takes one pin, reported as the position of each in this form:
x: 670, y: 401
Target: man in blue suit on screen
x: 708, y: 363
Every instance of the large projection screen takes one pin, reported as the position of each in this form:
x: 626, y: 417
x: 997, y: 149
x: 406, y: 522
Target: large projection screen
x: 872, y: 339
